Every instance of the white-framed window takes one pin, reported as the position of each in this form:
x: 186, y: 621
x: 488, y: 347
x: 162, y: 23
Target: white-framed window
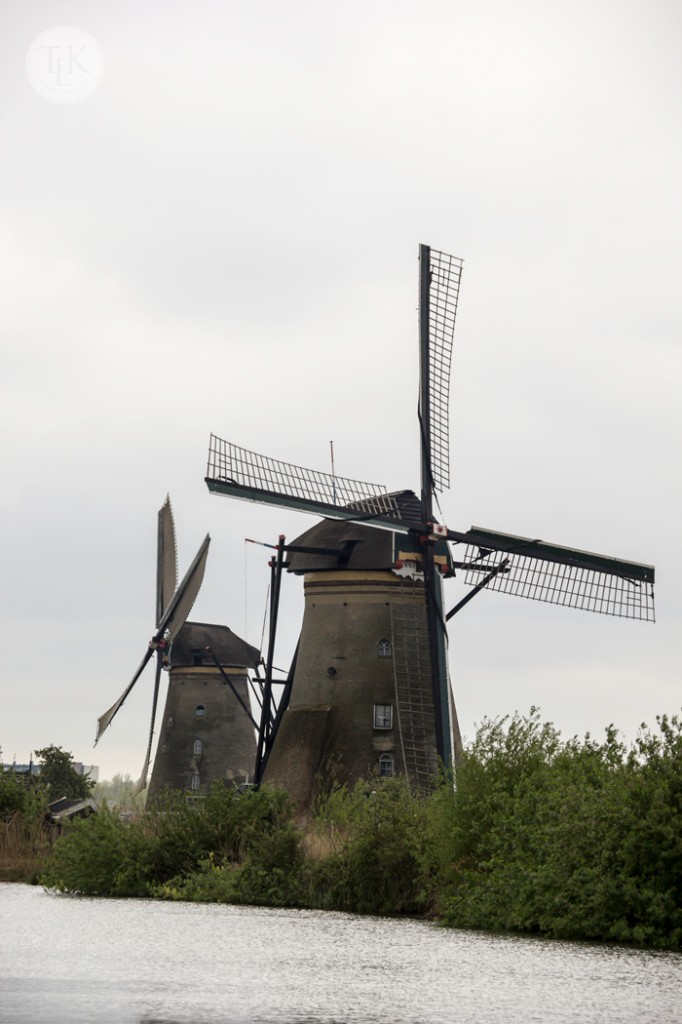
x: 200, y: 711
x: 386, y: 766
x: 198, y: 747
x: 384, y: 649
x: 196, y: 781
x: 383, y: 716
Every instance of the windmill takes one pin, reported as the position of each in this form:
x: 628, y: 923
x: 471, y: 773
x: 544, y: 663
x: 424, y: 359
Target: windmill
x: 193, y: 711
x: 349, y: 576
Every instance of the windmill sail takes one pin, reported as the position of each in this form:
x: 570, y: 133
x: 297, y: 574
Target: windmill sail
x: 439, y: 279
x: 561, y: 575
x: 104, y: 720
x: 142, y: 781
x: 240, y: 473
x: 439, y: 294
x: 172, y: 622
x: 186, y: 594
x: 166, y: 562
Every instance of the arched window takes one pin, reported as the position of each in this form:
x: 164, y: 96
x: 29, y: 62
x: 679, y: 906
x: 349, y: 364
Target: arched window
x: 200, y: 711
x: 386, y: 766
x: 198, y: 746
x: 384, y: 649
x: 196, y: 781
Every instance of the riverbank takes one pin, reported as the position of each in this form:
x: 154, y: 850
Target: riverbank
x: 574, y: 839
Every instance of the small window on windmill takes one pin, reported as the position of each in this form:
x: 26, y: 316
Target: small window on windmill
x: 196, y: 781
x: 383, y: 716
x: 198, y: 746
x: 200, y: 711
x: 386, y: 766
x: 197, y: 656
x: 384, y: 649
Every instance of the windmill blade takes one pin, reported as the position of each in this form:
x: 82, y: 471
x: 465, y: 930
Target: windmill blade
x: 171, y: 622
x: 104, y: 721
x: 181, y: 603
x: 560, y: 575
x: 240, y: 473
x: 440, y: 276
x: 166, y: 561
x: 142, y: 781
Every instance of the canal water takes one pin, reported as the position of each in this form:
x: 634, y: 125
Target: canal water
x: 71, y: 959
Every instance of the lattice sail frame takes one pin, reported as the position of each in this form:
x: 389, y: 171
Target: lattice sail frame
x: 260, y: 474
x: 627, y: 592
x: 446, y: 275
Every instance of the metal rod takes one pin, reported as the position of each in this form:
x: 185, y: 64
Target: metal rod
x: 232, y: 687
x: 281, y: 708
x: 502, y: 567
x: 275, y: 582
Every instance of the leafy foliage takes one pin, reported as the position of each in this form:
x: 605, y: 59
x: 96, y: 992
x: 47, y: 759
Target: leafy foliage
x: 573, y: 839
x: 179, y: 849
x: 13, y: 793
x: 376, y: 836
x: 24, y: 837
x: 59, y: 776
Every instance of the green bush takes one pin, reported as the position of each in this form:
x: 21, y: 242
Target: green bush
x: 376, y: 835
x: 575, y: 839
x: 572, y: 839
x: 92, y: 857
x: 159, y: 851
x: 13, y: 794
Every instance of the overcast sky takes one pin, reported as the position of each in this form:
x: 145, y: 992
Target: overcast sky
x: 223, y: 238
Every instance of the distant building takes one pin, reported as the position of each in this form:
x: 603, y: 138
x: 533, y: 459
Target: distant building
x: 22, y: 769
x: 33, y: 768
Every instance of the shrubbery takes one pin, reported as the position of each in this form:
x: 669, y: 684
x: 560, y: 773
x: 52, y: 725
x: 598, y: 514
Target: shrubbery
x: 177, y: 849
x: 25, y: 833
x: 577, y: 838
x: 374, y: 838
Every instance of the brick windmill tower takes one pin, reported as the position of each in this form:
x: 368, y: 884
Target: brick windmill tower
x: 369, y: 690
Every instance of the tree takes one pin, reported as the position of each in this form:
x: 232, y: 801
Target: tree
x: 60, y: 777
x: 119, y: 792
x: 12, y: 793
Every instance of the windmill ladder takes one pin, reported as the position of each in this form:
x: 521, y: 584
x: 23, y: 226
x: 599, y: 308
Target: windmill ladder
x: 414, y: 692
